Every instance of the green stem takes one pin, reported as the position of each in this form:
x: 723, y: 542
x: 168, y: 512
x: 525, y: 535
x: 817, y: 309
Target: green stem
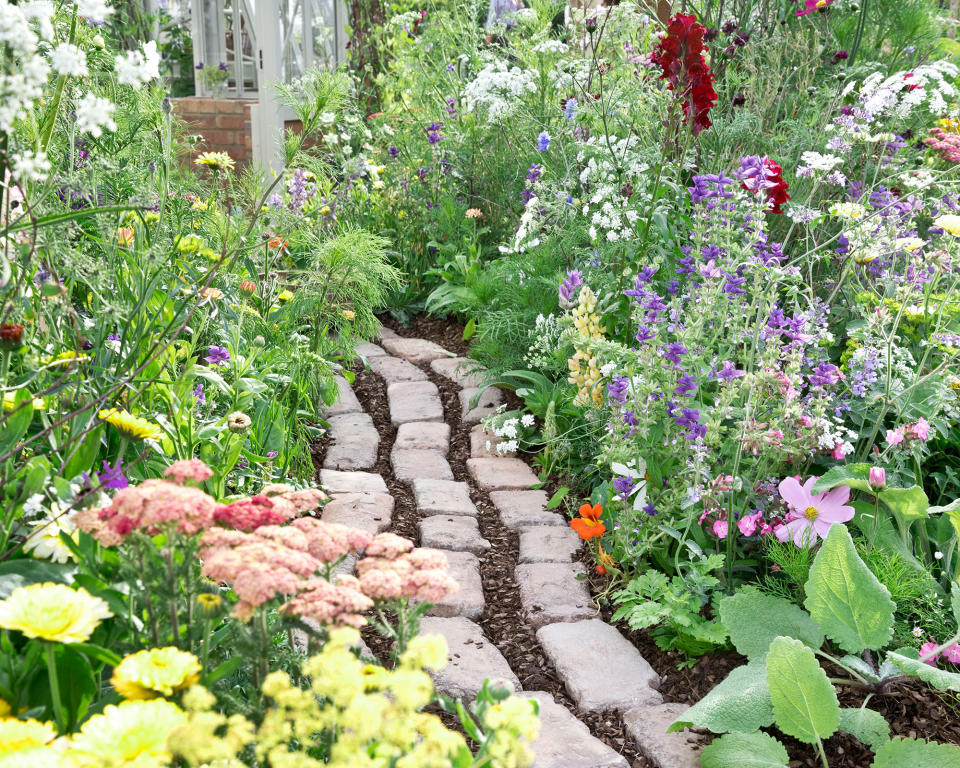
x: 58, y: 713
x: 58, y: 93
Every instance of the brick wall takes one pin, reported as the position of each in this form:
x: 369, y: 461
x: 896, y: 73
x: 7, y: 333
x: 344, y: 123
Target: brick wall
x: 223, y: 123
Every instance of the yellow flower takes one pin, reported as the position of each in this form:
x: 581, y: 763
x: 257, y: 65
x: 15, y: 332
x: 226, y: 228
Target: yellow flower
x: 66, y: 358
x: 217, y: 161
x: 133, y: 733
x: 53, y: 612
x: 48, y: 757
x: 199, y: 205
x: 10, y: 402
x: 428, y: 651
x: 130, y: 426
x: 189, y: 243
x: 949, y: 222
x: 908, y: 243
x: 155, y: 672
x: 211, y: 293
x: 285, y: 295
x: 848, y: 210
x: 21, y: 735
x: 349, y: 314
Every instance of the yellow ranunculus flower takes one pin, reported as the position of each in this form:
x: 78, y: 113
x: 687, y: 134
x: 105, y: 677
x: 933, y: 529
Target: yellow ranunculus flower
x: 21, y: 735
x: 133, y: 733
x: 949, y: 222
x: 53, y: 612
x: 133, y: 427
x: 10, y: 398
x: 155, y: 672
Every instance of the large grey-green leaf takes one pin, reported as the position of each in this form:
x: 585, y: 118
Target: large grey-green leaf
x: 938, y: 678
x: 908, y: 504
x: 754, y: 619
x: 740, y: 703
x: 910, y: 753
x: 845, y: 598
x: 855, y: 475
x: 745, y: 750
x: 867, y: 725
x: 805, y: 705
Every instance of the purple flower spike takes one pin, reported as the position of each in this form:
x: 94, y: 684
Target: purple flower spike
x: 568, y: 288
x: 112, y: 477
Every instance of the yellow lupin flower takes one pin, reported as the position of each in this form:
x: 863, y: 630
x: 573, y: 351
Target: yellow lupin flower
x: 133, y: 733
x: 155, y: 672
x: 217, y: 161
x: 53, y: 612
x: 130, y: 426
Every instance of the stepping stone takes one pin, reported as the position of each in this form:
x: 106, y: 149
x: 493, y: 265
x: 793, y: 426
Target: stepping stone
x: 423, y: 436
x: 565, y: 742
x: 647, y: 726
x: 524, y: 509
x: 486, y: 405
x: 472, y: 658
x: 443, y: 497
x: 462, y: 371
x: 409, y: 465
x: 612, y: 676
x: 548, y: 544
x: 334, y: 481
x: 393, y: 369
x: 386, y: 333
x: 501, y: 474
x: 346, y: 400
x: 467, y: 601
x: 417, y: 351
x: 479, y: 440
x: 372, y: 512
x: 550, y: 592
x: 355, y: 442
x: 369, y: 350
x: 456, y: 532
x: 414, y: 401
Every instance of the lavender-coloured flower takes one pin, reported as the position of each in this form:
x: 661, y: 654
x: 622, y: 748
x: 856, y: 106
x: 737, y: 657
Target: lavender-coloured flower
x: 623, y: 486
x: 674, y: 351
x: 618, y: 389
x: 825, y: 375
x: 543, y: 141
x: 686, y: 386
x: 217, y: 355
x: 112, y: 477
x: 570, y: 109
x: 199, y: 394
x: 732, y: 285
x: 393, y: 152
x: 728, y: 372
x: 645, y: 334
x: 568, y: 287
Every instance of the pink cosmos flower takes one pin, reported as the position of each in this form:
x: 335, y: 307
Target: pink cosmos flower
x: 920, y: 430
x: 812, y: 6
x: 895, y: 436
x: 927, y: 648
x: 811, y: 515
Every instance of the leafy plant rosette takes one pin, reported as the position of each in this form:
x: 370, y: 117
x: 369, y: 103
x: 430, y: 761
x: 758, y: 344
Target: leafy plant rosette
x: 783, y: 684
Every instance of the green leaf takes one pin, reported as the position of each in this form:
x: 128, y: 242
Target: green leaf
x: 907, y: 504
x: 76, y: 681
x: 867, y: 725
x: 804, y: 703
x: 82, y: 460
x: 97, y: 652
x: 754, y: 619
x: 468, y: 723
x: 26, y: 571
x: 740, y: 703
x: 17, y: 421
x: 955, y: 600
x: 558, y: 497
x: 938, y: 678
x: 845, y: 598
x: 469, y: 329
x: 855, y: 475
x: 224, y: 670
x: 899, y: 753
x: 745, y: 750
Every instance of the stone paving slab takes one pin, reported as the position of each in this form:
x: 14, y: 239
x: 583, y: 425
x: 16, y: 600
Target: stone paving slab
x: 550, y: 593
x: 647, y: 726
x: 486, y: 405
x: 423, y: 436
x: 565, y: 742
x: 479, y: 440
x: 369, y: 350
x: 472, y: 658
x: 414, y: 401
x: 355, y: 442
x: 443, y: 497
x: 386, y: 333
x: 371, y: 512
x: 612, y: 676
x: 393, y: 369
x: 335, y: 481
x: 524, y: 509
x: 548, y: 544
x: 457, y: 532
x: 462, y: 371
x: 409, y: 465
x: 346, y: 400
x: 467, y: 601
x: 501, y: 474
x: 417, y: 351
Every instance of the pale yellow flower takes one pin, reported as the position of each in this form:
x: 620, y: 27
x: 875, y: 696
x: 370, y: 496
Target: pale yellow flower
x: 949, y: 222
x: 53, y: 612
x: 218, y: 161
x: 133, y: 733
x: 155, y: 672
x: 21, y: 735
x: 130, y: 426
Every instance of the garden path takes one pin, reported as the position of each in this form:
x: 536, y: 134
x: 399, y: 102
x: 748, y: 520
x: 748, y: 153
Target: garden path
x: 521, y: 614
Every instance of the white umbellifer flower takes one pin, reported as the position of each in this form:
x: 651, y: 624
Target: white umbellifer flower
x: 138, y: 67
x: 821, y: 162
x: 41, y: 13
x: 94, y: 114
x: 498, y: 88
x: 94, y: 10
x: 69, y: 59
x: 30, y: 166
x: 555, y: 47
x: 528, y: 420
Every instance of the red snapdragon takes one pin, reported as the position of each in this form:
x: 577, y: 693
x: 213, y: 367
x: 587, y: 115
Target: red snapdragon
x: 680, y: 54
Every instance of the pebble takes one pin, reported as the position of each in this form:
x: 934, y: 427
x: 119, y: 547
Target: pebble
x: 372, y: 512
x: 548, y: 544
x: 335, y: 481
x: 647, y: 726
x: 472, y: 658
x: 393, y: 369
x: 479, y: 441
x: 346, y: 400
x: 523, y: 509
x: 354, y: 442
x: 486, y: 404
x: 369, y: 350
x: 460, y: 370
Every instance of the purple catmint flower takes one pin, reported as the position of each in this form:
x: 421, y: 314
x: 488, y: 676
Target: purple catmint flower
x: 422, y: 175
x: 393, y: 152
x: 645, y: 334
x: 629, y: 418
x: 674, y: 351
x: 618, y: 389
x: 452, y: 107
x: 623, y: 486
x: 650, y: 509
x: 543, y: 141
x: 534, y: 172
x: 568, y: 287
x: 754, y: 173
x: 825, y: 375
x: 728, y: 372
x: 689, y: 419
x: 217, y: 355
x: 112, y: 477
x: 686, y: 386
x: 710, y: 186
x: 198, y: 393
x: 570, y: 109
x: 732, y: 285
x: 299, y: 194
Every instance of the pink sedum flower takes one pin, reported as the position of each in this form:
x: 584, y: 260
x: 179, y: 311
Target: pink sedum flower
x: 812, y: 514
x: 188, y: 469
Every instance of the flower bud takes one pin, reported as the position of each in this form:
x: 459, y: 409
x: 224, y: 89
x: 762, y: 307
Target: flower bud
x: 11, y: 336
x: 248, y: 286
x: 238, y: 421
x: 99, y: 42
x: 878, y: 478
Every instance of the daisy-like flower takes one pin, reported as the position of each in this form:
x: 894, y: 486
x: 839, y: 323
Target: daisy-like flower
x: 589, y: 525
x: 53, y: 612
x: 811, y: 515
x: 130, y: 426
x: 949, y: 223
x: 155, y: 672
x: 133, y: 733
x: 20, y: 735
x: 44, y: 541
x: 215, y: 161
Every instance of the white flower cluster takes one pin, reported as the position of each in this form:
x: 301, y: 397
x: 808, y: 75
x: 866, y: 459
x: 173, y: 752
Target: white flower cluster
x: 498, y: 88
x: 509, y: 433
x: 612, y: 213
x: 898, y: 95
x: 551, y: 47
x: 95, y: 113
x: 138, y: 67
x: 402, y: 20
x: 25, y: 71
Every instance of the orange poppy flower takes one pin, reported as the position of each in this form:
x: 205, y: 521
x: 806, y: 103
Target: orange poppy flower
x: 589, y: 525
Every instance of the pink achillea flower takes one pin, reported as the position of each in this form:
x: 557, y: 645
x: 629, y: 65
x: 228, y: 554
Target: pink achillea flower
x: 328, y: 542
x: 337, y: 604
x: 150, y: 507
x: 188, y: 469
x: 249, y: 514
x: 811, y: 515
x: 392, y: 570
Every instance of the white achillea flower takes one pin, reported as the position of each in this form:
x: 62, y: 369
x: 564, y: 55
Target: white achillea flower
x: 498, y: 88
x: 821, y: 162
x: 94, y: 114
x: 69, y: 59
x: 40, y: 12
x: 24, y: 71
x: 528, y: 420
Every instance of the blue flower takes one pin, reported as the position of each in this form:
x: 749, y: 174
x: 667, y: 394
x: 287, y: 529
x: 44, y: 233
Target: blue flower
x: 218, y: 356
x: 570, y: 108
x: 543, y: 141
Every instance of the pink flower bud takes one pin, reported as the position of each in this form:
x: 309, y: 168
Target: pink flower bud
x: 878, y: 478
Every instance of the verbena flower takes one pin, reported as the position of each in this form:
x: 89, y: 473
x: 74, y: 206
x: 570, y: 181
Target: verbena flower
x: 155, y: 672
x: 53, y: 612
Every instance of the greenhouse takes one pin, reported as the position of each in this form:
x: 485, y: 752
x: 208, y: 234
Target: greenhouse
x: 480, y: 384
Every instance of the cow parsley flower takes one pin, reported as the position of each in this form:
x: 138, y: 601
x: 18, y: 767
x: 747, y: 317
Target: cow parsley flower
x: 94, y: 114
x: 138, y: 67
x: 69, y: 59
